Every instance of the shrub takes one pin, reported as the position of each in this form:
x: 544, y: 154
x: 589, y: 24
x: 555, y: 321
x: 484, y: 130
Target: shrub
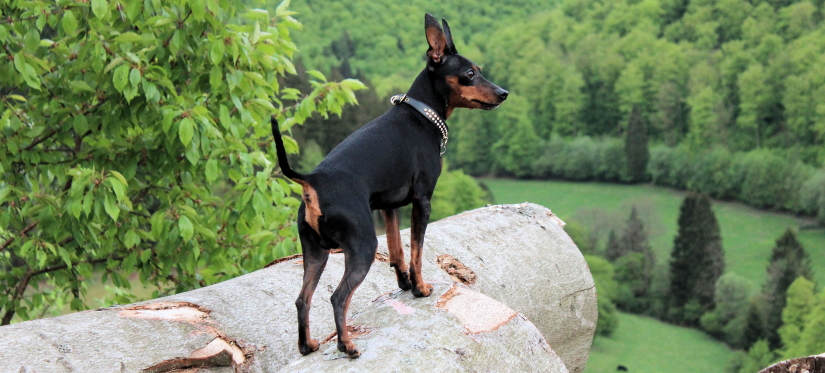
x: 713, y: 174
x: 762, y: 175
x: 812, y: 194
x: 611, y: 161
x: 670, y: 166
x: 606, y: 290
x: 580, y: 159
x: 551, y: 158
x: 456, y: 192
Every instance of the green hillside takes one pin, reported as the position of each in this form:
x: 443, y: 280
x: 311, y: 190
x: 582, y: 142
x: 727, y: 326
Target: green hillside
x: 748, y: 234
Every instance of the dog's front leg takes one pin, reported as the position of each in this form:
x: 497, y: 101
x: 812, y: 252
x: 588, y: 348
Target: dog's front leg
x: 396, y: 251
x: 420, y: 218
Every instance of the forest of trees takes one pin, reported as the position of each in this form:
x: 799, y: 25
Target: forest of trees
x: 691, y: 288
x: 726, y: 91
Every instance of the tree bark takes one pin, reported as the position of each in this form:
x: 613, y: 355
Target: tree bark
x: 812, y: 364
x: 512, y: 291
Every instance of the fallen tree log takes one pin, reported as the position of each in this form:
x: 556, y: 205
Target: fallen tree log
x: 514, y: 255
x: 810, y: 364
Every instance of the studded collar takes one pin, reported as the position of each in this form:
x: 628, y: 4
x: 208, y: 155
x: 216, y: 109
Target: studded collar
x: 428, y: 113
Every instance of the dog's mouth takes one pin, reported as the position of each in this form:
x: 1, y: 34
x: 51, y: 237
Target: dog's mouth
x: 486, y: 105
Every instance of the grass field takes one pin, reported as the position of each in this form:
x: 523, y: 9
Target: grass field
x: 662, y: 348
x: 748, y: 234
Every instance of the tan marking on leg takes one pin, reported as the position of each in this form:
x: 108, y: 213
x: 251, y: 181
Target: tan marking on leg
x: 396, y: 251
x: 313, y: 206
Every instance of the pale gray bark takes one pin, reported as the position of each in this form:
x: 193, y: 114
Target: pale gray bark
x: 529, y: 304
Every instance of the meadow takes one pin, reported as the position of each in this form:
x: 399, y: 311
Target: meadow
x: 646, y: 345
x: 748, y: 234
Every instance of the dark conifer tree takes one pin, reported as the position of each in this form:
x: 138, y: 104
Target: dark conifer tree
x: 755, y: 325
x: 634, y: 239
x: 635, y: 146
x: 613, y: 250
x: 789, y: 261
x: 697, y: 260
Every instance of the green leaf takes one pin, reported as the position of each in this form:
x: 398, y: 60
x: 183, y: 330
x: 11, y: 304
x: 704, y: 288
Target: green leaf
x: 259, y: 203
x: 100, y: 8
x: 145, y: 255
x: 69, y: 22
x: 80, y: 124
x: 87, y: 203
x: 215, y: 78
x: 119, y: 189
x: 131, y: 37
x: 226, y: 120
x: 134, y: 77
x: 4, y: 192
x: 119, y: 176
x: 3, y: 34
x: 186, y: 229
x: 79, y: 85
x: 317, y: 74
x: 25, y: 248
x: 212, y: 170
x: 65, y: 256
x: 158, y: 221
x: 198, y: 9
x: 186, y: 129
x: 281, y: 7
x: 18, y: 98
x: 111, y: 207
x: 131, y: 239
x: 115, y: 61
x: 217, y: 51
x: 121, y: 77
x: 353, y: 84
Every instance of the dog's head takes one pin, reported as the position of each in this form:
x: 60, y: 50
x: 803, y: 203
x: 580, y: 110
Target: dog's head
x: 467, y: 87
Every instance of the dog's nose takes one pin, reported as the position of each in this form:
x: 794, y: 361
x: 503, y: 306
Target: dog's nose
x: 503, y: 94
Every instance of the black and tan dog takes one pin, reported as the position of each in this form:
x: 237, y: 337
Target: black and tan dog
x: 392, y: 161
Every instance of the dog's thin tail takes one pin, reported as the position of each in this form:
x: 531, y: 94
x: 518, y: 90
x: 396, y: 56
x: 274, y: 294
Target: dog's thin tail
x: 282, y: 161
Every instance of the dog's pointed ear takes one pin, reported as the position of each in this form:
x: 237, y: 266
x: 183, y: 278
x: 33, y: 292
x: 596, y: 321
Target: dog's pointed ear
x: 449, y: 37
x: 436, y: 39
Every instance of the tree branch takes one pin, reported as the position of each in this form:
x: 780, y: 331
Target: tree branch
x: 22, y: 234
x: 38, y: 141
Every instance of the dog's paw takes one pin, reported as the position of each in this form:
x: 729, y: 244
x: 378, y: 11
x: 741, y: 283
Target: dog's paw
x: 404, y: 280
x: 422, y: 291
x: 350, y: 349
x: 311, y: 346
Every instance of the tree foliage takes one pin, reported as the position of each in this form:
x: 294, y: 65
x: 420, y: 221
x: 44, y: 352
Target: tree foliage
x: 727, y: 321
x: 135, y: 139
x: 607, y: 288
x: 697, y: 260
x: 636, y: 148
x: 800, y: 302
x: 788, y: 262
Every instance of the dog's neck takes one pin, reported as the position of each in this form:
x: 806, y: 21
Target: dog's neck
x: 431, y: 91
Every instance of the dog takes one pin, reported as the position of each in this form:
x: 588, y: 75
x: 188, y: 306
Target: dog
x: 392, y: 161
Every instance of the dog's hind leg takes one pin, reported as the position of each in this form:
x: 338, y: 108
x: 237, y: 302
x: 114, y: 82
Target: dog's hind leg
x: 359, y: 252
x: 402, y: 272
x: 418, y: 226
x: 315, y: 259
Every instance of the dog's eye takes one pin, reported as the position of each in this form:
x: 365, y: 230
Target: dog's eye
x: 471, y: 74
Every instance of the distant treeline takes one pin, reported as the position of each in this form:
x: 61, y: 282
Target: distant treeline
x: 760, y: 177
x: 728, y: 91
x: 742, y: 74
